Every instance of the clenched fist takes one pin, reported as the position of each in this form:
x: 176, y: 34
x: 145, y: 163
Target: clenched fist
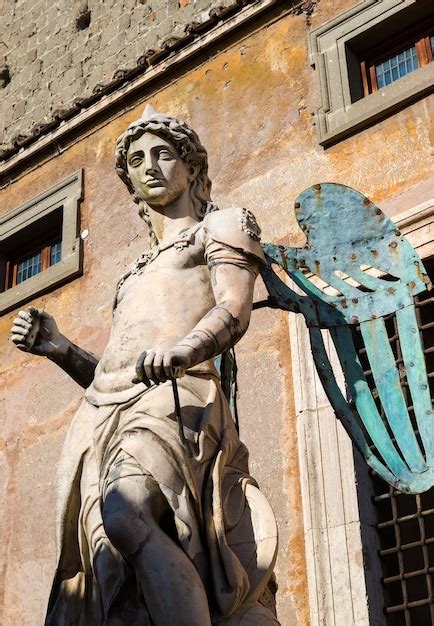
x: 157, y: 366
x: 36, y: 331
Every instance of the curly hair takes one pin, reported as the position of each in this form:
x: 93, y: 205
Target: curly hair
x: 187, y: 145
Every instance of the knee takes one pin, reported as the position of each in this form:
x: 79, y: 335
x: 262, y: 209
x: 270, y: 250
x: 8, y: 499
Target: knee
x: 128, y: 517
x: 120, y: 524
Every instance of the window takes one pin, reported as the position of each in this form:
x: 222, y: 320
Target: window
x: 39, y: 244
x: 36, y: 262
x: 397, y: 59
x: 343, y: 567
x: 368, y: 66
x: 33, y: 250
x: 405, y: 523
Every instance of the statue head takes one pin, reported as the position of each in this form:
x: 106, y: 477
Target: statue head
x: 186, y: 144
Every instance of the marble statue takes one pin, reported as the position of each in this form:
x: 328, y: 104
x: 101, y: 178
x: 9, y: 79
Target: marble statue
x: 151, y: 528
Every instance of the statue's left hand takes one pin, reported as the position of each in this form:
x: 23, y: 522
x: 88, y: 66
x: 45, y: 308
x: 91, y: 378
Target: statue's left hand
x: 158, y: 365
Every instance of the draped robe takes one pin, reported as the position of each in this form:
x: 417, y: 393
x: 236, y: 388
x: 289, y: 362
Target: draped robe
x: 123, y: 429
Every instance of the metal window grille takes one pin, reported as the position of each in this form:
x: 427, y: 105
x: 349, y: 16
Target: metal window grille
x: 396, y: 66
x: 406, y: 523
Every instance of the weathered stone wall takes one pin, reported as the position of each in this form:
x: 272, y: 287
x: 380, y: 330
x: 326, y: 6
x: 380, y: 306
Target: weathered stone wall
x: 252, y: 106
x: 56, y: 51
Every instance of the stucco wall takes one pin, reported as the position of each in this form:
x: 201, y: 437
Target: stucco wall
x: 252, y: 106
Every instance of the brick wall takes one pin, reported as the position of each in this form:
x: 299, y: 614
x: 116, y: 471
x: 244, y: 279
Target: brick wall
x: 53, y: 51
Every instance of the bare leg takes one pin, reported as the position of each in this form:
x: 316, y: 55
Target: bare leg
x: 171, y: 585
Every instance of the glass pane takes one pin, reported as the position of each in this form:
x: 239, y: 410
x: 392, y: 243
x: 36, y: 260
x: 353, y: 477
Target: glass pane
x: 56, y: 252
x: 397, y: 66
x: 29, y: 266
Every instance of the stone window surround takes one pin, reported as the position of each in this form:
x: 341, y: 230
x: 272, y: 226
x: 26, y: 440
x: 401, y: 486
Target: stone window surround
x: 68, y: 194
x: 339, y: 117
x: 340, y: 539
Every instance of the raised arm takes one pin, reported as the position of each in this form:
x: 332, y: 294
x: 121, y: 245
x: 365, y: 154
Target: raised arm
x: 36, y: 331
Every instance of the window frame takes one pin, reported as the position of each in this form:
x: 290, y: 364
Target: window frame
x: 67, y: 195
x: 331, y: 53
x: 419, y: 37
x: 44, y: 247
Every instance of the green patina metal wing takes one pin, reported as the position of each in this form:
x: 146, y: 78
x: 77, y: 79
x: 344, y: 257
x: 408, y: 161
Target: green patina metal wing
x: 356, y: 269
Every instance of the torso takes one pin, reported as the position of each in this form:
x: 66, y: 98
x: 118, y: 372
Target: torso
x: 156, y: 306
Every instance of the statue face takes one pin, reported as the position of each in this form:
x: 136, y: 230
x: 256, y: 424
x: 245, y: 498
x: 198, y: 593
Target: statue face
x: 157, y: 172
